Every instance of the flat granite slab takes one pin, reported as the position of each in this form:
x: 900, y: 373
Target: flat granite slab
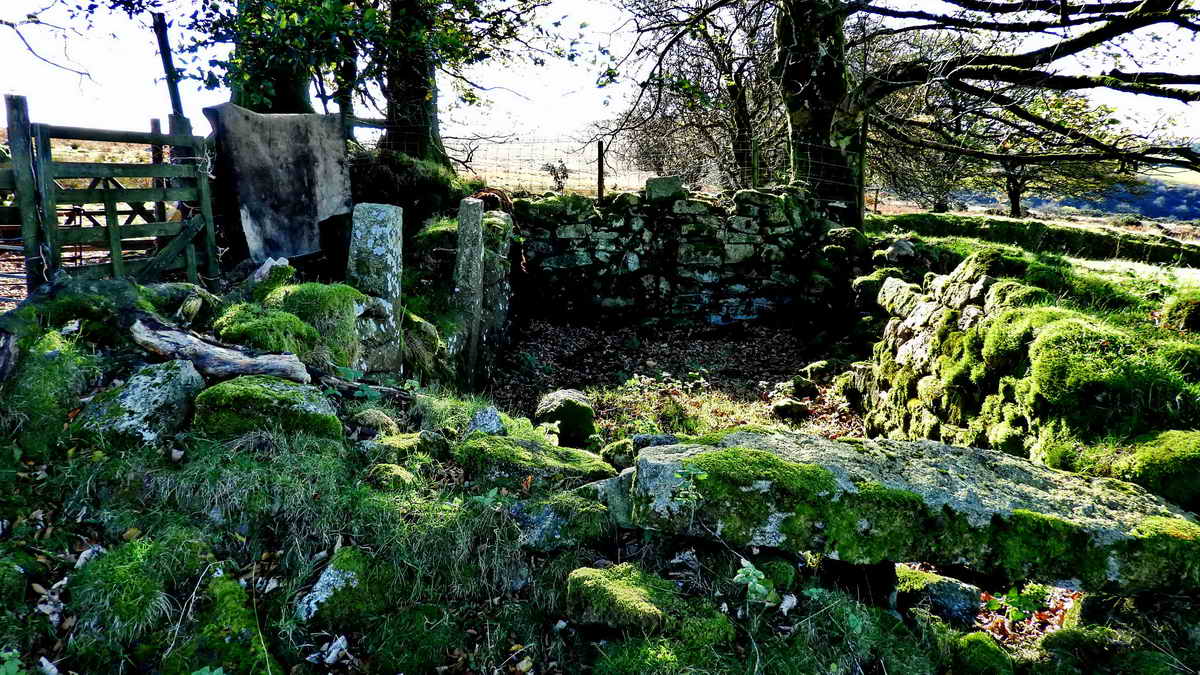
x: 871, y: 501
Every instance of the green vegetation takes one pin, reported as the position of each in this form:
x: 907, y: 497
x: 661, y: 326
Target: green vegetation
x: 35, y: 402
x: 1036, y: 236
x: 255, y: 402
x: 330, y: 309
x: 266, y: 329
x: 668, y: 405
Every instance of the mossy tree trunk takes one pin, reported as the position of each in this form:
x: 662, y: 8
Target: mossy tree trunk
x: 825, y: 121
x: 410, y: 85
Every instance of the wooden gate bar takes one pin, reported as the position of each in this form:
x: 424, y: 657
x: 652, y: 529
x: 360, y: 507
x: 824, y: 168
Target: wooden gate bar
x: 114, y: 233
x: 21, y: 144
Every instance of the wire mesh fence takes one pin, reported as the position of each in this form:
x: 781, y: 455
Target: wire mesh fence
x: 579, y: 165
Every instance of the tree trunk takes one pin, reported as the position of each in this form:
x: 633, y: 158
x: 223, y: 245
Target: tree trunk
x: 1015, y: 189
x: 824, y: 124
x: 411, y: 85
x: 346, y: 78
x: 274, y: 85
x: 743, y: 150
x: 941, y: 205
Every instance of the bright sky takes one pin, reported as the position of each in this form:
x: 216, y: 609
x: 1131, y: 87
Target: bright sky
x: 553, y: 101
x: 126, y: 88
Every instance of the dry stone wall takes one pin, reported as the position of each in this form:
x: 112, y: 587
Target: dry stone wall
x: 666, y: 253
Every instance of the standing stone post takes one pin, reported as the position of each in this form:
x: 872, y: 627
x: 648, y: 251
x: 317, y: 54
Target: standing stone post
x: 375, y: 267
x: 468, y: 282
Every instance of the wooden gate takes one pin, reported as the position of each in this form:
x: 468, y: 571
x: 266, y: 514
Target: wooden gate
x: 58, y: 205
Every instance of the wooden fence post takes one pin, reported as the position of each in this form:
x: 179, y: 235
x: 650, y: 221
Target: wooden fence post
x: 600, y: 170
x: 20, y: 143
x: 168, y: 61
x: 48, y: 190
x: 156, y: 157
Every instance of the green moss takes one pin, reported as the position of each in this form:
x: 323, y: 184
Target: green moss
x: 1182, y: 311
x: 1049, y: 546
x: 653, y: 656
x: 979, y: 653
x: 392, y: 477
x: 344, y: 594
x: 227, y: 635
x: 877, y: 525
x: 267, y: 329
x: 622, y: 596
x: 1167, y: 464
x: 620, y: 454
x: 277, y: 276
x: 866, y: 287
x: 330, y: 309
x: 45, y: 387
x: 376, y: 419
x: 1010, y: 294
x: 911, y: 580
x: 1007, y: 336
x: 260, y: 402
x: 730, y: 477
x: 585, y: 519
x: 1098, y: 377
x: 496, y: 456
x: 1181, y: 356
x: 1162, y: 548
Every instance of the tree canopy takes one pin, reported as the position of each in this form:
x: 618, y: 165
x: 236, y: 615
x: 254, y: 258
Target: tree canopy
x: 1038, y: 45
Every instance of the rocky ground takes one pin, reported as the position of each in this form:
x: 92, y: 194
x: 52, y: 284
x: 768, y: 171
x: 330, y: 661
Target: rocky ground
x: 696, y: 501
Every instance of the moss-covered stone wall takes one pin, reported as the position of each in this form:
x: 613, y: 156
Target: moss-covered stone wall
x: 665, y: 253
x: 975, y: 359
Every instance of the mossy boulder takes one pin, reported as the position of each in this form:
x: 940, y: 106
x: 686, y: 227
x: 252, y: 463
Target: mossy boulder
x: 573, y: 412
x: 46, y: 386
x: 260, y: 402
x: 562, y: 520
x: 127, y: 593
x: 628, y: 598
x: 151, y: 406
x: 1166, y: 463
x: 619, y: 454
x: 950, y: 599
x: 979, y: 653
x: 502, y: 460
x: 343, y: 592
x: 269, y: 330
x: 332, y: 309
x: 399, y: 448
x: 874, y: 501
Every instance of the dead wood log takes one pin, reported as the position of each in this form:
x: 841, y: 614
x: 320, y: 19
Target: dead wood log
x: 349, y: 389
x: 213, y: 360
x: 123, y: 306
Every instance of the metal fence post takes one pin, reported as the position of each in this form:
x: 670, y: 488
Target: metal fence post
x: 600, y: 169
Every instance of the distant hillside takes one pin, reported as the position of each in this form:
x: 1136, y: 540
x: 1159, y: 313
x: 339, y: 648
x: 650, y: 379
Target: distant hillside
x: 1154, y: 199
